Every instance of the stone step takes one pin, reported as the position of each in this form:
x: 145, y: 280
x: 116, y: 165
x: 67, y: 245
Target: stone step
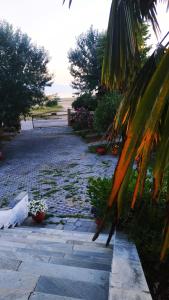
x: 65, y: 265
x: 77, y: 262
x: 56, y: 248
x: 13, y: 294
x: 11, y: 281
x: 62, y: 234
x: 7, y: 263
x: 40, y: 240
x: 44, y: 237
x: 68, y: 288
x: 65, y: 272
x: 22, y: 254
x: 43, y: 296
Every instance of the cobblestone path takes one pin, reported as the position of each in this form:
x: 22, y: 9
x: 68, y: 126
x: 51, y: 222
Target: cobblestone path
x: 54, y: 164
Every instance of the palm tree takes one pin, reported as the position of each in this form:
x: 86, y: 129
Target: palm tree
x: 144, y: 111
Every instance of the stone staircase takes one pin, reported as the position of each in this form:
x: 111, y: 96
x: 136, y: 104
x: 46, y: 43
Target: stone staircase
x: 50, y: 264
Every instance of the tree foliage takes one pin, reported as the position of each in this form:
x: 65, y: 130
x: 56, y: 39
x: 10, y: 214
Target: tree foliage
x: 106, y: 110
x: 23, y: 74
x: 86, y: 61
x: 86, y: 101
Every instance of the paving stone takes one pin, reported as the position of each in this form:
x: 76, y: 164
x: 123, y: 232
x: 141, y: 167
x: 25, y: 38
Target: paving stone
x: 40, y: 252
x: 53, y: 219
x: 7, y: 263
x: 13, y: 295
x: 82, y: 290
x: 128, y: 275
x: 13, y: 280
x: 91, y: 254
x: 43, y: 296
x: 65, y: 272
x: 6, y: 253
x: 123, y: 294
x: 40, y: 245
x: 100, y: 260
x: 92, y: 248
x: 53, y: 155
x: 127, y: 272
x: 88, y: 264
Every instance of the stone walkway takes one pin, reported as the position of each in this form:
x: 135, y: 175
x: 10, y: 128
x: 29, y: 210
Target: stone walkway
x: 54, y: 164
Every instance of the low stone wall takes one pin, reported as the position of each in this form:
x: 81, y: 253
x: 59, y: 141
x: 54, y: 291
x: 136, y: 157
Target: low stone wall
x: 16, y: 213
x: 127, y: 280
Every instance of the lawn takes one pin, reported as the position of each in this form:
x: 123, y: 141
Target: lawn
x: 45, y: 109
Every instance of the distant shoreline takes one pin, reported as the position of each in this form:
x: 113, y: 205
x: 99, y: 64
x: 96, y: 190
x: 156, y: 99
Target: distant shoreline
x: 66, y: 102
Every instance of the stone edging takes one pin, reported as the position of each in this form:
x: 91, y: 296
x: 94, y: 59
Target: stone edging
x: 127, y: 280
x: 15, y: 214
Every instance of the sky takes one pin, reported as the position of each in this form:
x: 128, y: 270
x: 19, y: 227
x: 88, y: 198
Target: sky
x: 56, y: 27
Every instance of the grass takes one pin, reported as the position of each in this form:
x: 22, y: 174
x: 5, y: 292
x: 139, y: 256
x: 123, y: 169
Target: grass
x: 72, y: 165
x: 45, y: 109
x: 4, y: 202
x: 77, y: 216
x: 51, y: 192
x: 48, y: 181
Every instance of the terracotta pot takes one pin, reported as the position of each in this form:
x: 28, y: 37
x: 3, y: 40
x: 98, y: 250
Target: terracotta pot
x: 39, y: 218
x: 115, y: 150
x: 98, y: 221
x: 101, y: 150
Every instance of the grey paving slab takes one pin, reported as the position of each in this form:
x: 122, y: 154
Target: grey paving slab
x: 7, y: 263
x: 82, y: 290
x: 43, y: 296
x: 61, y: 236
x: 98, y: 259
x: 65, y: 272
x: 6, y: 253
x: 88, y: 264
x: 14, y: 280
x: 6, y: 294
x: 123, y: 294
x: 92, y: 248
x: 47, y: 246
x: 128, y: 275
x: 89, y: 253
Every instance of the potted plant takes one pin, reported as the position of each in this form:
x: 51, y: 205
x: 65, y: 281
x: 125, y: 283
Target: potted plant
x: 101, y: 150
x: 115, y: 149
x: 98, y: 191
x: 38, y: 209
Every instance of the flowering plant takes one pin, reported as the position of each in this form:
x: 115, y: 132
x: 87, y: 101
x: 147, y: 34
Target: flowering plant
x: 82, y: 119
x: 37, y: 206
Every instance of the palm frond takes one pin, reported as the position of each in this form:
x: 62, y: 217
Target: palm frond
x: 70, y: 2
x: 121, y: 54
x: 146, y: 106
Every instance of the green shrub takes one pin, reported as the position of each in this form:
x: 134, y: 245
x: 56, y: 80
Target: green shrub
x: 144, y: 226
x: 105, y: 111
x: 82, y: 119
x: 98, y: 191
x: 86, y: 101
x: 51, y: 103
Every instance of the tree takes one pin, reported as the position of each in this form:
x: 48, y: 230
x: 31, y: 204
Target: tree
x: 87, y: 58
x: 143, y: 36
x: 86, y: 61
x: 23, y: 74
